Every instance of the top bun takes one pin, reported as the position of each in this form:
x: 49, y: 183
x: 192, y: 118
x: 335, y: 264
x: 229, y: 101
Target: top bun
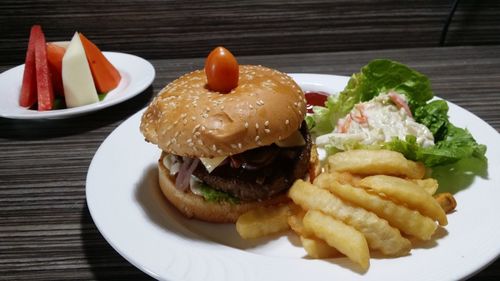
x: 188, y: 119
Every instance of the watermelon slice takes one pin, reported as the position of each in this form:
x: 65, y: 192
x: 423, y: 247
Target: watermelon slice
x: 28, y: 88
x: 43, y: 80
x: 106, y: 76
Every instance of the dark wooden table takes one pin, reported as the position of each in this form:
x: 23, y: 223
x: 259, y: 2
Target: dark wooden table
x: 46, y: 232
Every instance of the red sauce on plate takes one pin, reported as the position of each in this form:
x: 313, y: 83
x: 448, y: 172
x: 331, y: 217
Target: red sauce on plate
x: 315, y: 98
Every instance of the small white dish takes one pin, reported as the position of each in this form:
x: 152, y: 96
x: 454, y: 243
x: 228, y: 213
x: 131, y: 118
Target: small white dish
x: 137, y: 74
x: 133, y: 216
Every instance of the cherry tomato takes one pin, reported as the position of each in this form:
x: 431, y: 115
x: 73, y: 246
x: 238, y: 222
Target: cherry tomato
x: 222, y: 70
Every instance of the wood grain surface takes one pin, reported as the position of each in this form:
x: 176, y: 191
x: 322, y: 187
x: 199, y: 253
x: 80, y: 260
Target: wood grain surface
x: 475, y: 23
x: 46, y: 232
x: 164, y: 29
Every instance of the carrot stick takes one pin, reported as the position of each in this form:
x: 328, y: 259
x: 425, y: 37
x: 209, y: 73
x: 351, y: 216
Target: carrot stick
x: 55, y: 55
x: 106, y: 76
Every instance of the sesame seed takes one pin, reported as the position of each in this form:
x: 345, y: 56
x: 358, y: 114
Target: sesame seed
x: 251, y: 106
x: 214, y: 148
x: 239, y: 145
x: 203, y: 128
x: 267, y: 131
x: 246, y: 124
x: 266, y: 123
x: 257, y: 138
x: 219, y: 151
x: 256, y: 125
x: 287, y: 121
x: 193, y: 118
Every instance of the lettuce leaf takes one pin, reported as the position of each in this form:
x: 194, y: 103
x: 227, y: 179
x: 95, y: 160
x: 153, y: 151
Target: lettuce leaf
x: 451, y: 143
x: 213, y: 195
x: 459, y: 144
x: 434, y: 116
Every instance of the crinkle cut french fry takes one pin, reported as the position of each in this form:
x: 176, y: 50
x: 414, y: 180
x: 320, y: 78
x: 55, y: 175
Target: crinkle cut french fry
x: 379, y: 234
x: 446, y: 201
x: 408, y: 193
x: 263, y: 221
x: 374, y: 162
x: 318, y: 248
x: 408, y: 221
x: 340, y: 236
x: 430, y: 185
x: 295, y: 221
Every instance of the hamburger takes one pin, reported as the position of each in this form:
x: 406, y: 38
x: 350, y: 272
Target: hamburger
x: 226, y: 153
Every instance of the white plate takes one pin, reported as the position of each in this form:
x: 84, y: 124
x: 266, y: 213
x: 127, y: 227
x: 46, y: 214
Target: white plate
x: 125, y: 202
x: 137, y: 74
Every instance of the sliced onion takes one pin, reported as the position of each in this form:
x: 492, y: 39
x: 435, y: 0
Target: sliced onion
x: 235, y: 162
x: 185, y: 171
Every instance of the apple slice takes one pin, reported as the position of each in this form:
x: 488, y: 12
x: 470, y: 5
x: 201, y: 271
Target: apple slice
x: 77, y: 79
x: 106, y: 76
x: 28, y: 88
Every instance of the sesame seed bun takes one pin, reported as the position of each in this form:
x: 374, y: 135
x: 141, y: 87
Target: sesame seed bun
x: 195, y: 206
x: 187, y: 119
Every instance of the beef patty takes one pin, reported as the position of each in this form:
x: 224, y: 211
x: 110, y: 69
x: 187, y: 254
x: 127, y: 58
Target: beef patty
x: 260, y: 173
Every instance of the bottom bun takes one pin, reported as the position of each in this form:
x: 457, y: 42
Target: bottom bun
x: 195, y: 206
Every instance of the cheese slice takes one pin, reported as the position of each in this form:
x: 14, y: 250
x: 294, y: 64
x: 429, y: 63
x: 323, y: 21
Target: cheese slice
x: 77, y: 79
x: 212, y: 163
x: 295, y: 139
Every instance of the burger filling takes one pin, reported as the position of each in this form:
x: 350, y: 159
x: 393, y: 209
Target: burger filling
x: 252, y: 175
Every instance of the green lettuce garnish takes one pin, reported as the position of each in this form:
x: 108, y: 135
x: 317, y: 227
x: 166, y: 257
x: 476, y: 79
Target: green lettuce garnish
x: 101, y: 96
x: 213, y: 195
x: 434, y: 116
x: 379, y: 76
